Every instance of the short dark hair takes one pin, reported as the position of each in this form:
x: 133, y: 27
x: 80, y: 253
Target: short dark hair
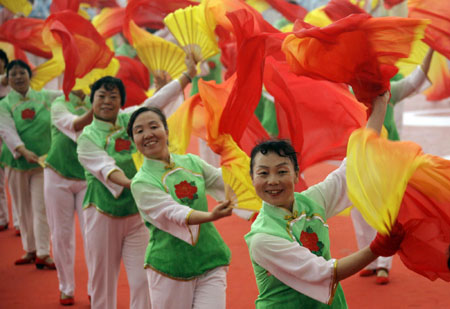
x: 141, y: 110
x: 18, y: 63
x: 4, y: 57
x: 281, y: 147
x: 109, y: 83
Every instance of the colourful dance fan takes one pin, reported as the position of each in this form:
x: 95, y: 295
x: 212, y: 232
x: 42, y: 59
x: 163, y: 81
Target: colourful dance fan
x: 138, y: 160
x: 160, y: 56
x: 189, y: 27
x: 236, y: 175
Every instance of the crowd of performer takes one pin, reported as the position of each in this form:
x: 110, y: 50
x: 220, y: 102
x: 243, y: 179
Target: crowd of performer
x: 73, y: 155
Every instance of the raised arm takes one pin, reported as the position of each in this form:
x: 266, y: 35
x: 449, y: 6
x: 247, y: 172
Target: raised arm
x: 414, y: 82
x: 376, y: 119
x: 66, y: 122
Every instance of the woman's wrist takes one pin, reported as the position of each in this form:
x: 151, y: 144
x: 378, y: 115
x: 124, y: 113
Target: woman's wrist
x: 186, y: 74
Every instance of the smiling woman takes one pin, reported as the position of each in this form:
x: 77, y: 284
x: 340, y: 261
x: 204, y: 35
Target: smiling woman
x: 289, y: 243
x: 25, y: 128
x: 113, y: 227
x: 170, y: 192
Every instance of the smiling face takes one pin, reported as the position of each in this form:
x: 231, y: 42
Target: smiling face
x: 150, y: 136
x: 106, y: 104
x: 274, y: 179
x: 19, y: 79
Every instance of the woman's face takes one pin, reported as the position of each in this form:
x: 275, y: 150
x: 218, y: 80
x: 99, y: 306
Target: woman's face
x: 106, y: 104
x: 19, y: 79
x: 150, y: 136
x: 274, y: 179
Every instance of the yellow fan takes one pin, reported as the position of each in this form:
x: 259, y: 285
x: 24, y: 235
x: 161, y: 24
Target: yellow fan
x: 160, y: 56
x: 18, y: 6
x: 190, y: 29
x: 236, y: 175
x: 138, y: 160
x: 240, y: 191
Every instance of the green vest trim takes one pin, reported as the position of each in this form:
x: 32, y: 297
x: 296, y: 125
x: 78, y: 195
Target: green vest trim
x: 168, y: 254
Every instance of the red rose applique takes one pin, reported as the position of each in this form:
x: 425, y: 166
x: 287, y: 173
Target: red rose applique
x: 122, y: 144
x: 310, y: 240
x: 186, y: 192
x: 28, y: 113
x: 212, y: 65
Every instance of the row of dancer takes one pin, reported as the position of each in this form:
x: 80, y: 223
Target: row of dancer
x: 185, y: 264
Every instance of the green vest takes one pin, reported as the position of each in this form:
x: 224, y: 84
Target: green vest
x: 389, y: 123
x: 167, y: 254
x: 306, y: 226
x: 115, y: 141
x: 62, y: 156
x: 31, y: 116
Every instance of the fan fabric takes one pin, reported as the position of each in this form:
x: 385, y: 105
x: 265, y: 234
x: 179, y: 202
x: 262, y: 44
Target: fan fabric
x: 439, y: 76
x: 248, y: 86
x: 75, y: 36
x: 26, y: 34
x: 18, y: 6
x: 157, y: 54
x: 378, y: 171
x: 135, y: 78
x: 109, y: 22
x: 189, y: 28
x: 317, y: 116
x: 389, y: 181
x: 86, y: 81
x: 289, y: 10
x: 324, y: 53
x: 437, y: 34
x: 47, y: 71
x: 338, y: 9
x: 14, y: 52
x: 61, y: 5
x: 388, y: 4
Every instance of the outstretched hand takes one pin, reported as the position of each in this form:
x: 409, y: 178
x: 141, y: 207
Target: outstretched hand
x: 191, y: 64
x: 223, y: 209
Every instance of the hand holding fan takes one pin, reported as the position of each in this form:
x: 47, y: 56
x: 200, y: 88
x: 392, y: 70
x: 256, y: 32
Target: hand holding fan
x: 189, y: 27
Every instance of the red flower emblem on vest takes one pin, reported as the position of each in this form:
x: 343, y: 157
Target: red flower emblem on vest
x: 28, y: 113
x: 186, y: 192
x: 122, y: 144
x: 310, y: 240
